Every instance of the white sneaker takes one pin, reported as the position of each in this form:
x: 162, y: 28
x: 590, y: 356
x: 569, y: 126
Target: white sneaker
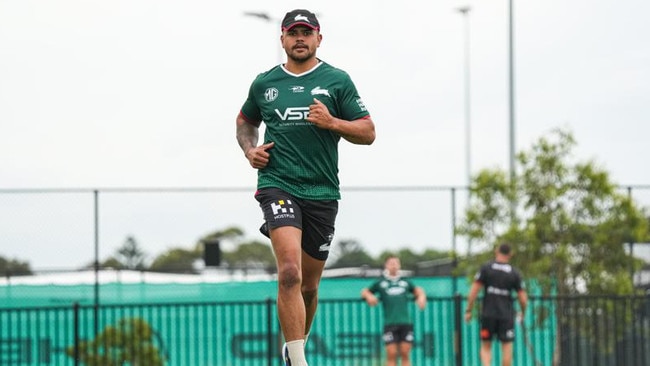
x: 285, y: 355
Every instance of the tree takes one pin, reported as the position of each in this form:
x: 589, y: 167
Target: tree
x: 251, y: 254
x: 14, y: 267
x: 350, y: 253
x: 132, y: 257
x: 569, y: 226
x: 176, y: 260
x: 111, y: 262
x: 230, y: 233
x: 571, y: 223
x: 130, y: 342
x: 410, y: 260
x: 180, y: 260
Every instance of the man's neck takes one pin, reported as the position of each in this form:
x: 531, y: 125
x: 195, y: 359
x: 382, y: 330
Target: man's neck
x: 300, y: 67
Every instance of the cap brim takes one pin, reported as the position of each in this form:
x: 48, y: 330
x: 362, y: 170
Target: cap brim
x: 308, y: 25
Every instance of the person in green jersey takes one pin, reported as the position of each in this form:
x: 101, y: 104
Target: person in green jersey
x: 395, y: 293
x: 307, y: 106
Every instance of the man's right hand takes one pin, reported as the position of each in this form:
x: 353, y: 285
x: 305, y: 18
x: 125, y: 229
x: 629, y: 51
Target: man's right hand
x: 258, y: 157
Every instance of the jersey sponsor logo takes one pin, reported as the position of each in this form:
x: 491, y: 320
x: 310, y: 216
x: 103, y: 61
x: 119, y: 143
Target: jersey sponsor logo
x: 293, y: 113
x: 497, y: 291
x: 502, y: 267
x: 395, y: 291
x: 297, y: 89
x: 361, y: 105
x: 319, y: 91
x: 271, y: 94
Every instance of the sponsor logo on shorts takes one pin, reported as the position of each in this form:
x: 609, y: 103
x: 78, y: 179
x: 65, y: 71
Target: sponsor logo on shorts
x: 388, y: 337
x: 282, y: 209
x: 325, y: 247
x: 409, y: 337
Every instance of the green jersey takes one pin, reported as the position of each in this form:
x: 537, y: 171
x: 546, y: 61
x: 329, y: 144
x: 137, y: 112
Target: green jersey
x: 395, y: 295
x: 304, y: 159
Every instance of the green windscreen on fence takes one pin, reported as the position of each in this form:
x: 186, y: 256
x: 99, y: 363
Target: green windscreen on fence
x: 235, y: 323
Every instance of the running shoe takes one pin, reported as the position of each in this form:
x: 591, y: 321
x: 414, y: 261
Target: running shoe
x: 285, y: 355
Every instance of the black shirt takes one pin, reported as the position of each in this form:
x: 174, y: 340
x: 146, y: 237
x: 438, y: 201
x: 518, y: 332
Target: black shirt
x: 499, y: 280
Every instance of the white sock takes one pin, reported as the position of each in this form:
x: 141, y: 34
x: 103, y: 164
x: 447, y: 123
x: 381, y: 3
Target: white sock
x: 297, y: 352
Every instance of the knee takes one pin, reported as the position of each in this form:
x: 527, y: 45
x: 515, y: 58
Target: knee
x: 289, y: 276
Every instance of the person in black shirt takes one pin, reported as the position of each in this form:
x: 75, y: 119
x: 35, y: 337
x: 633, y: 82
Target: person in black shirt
x: 498, y: 279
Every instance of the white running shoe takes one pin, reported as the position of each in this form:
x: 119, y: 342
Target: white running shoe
x: 285, y: 355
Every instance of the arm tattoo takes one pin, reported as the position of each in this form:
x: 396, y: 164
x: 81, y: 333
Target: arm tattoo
x: 247, y: 135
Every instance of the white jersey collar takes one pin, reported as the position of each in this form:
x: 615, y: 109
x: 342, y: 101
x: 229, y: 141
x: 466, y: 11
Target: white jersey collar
x: 304, y: 73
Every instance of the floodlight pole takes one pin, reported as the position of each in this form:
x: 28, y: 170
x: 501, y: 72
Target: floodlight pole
x: 468, y: 135
x: 511, y: 103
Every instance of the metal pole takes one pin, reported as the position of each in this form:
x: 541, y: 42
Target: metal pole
x: 453, y: 241
x: 511, y: 100
x: 96, y: 264
x: 468, y: 132
x: 468, y: 136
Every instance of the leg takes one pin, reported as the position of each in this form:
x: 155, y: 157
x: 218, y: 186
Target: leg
x: 506, y: 353
x: 312, y: 270
x: 405, y: 353
x: 486, y: 353
x: 291, y: 307
x: 391, y: 354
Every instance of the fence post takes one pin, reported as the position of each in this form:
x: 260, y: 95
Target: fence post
x: 269, y: 332
x: 75, y: 316
x: 96, y: 262
x: 458, y: 324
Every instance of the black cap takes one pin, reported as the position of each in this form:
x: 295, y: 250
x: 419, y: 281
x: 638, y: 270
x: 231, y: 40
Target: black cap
x: 300, y: 17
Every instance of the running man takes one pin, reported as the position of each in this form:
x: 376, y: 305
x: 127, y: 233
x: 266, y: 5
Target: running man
x: 307, y: 106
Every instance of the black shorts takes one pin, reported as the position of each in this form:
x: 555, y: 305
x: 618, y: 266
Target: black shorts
x: 315, y: 218
x: 398, y: 333
x: 503, y: 329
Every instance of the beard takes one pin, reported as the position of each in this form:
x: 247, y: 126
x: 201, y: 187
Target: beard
x: 300, y: 57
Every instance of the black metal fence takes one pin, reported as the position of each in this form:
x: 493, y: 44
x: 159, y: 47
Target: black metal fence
x: 571, y: 331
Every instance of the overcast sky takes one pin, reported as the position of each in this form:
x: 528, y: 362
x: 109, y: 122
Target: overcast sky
x: 134, y: 93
